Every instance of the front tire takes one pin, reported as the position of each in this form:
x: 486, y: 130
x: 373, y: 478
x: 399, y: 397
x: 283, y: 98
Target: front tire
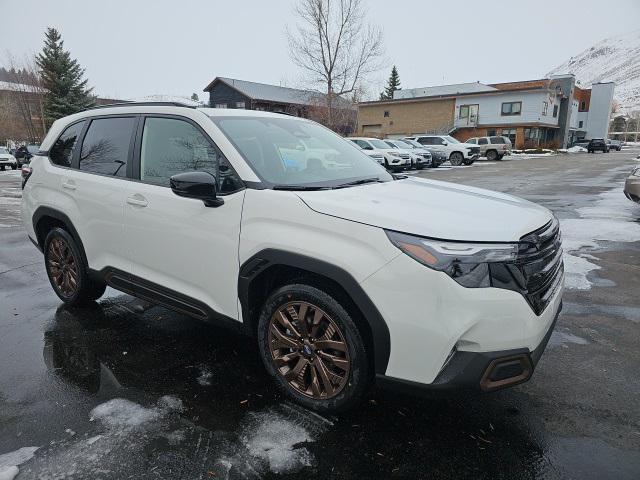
x: 456, y: 159
x: 67, y: 271
x: 311, y: 345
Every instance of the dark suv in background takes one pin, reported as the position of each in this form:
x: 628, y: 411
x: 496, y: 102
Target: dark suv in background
x: 597, y: 144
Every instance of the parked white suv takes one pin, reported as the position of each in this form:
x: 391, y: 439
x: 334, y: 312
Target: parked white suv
x: 7, y: 160
x: 340, y: 273
x: 457, y: 152
x: 394, y: 160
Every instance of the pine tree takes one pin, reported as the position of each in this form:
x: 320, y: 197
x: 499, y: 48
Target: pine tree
x: 194, y: 97
x: 393, y: 84
x: 66, y: 91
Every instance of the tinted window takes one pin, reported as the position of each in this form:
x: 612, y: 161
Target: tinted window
x: 425, y: 140
x: 171, y: 146
x: 105, y: 147
x: 482, y: 141
x: 497, y: 140
x: 61, y: 152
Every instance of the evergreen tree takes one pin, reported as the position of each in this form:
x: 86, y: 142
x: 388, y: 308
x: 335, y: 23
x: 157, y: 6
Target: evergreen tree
x: 393, y: 84
x: 66, y: 91
x: 194, y: 97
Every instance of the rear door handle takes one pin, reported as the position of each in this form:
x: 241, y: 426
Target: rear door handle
x: 69, y: 185
x: 137, y: 200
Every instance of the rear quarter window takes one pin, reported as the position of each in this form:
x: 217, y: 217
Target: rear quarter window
x: 497, y: 140
x: 61, y: 153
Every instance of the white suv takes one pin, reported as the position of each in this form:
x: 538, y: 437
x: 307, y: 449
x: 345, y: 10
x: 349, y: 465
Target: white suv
x: 457, y: 152
x: 394, y: 160
x: 342, y: 274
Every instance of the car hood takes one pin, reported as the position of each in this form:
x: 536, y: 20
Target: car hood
x: 432, y: 209
x: 6, y: 156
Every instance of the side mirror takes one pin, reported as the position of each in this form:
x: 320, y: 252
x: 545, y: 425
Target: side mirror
x: 200, y: 185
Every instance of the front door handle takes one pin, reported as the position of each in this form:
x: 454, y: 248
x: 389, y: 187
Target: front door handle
x: 69, y: 185
x: 137, y: 200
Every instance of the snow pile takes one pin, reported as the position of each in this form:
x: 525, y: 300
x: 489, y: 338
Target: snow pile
x: 574, y: 149
x: 167, y: 98
x: 615, y: 59
x: 611, y: 218
x: 122, y: 413
x: 205, y: 376
x: 9, y: 462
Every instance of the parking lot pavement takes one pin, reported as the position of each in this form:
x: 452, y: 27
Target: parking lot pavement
x: 129, y: 390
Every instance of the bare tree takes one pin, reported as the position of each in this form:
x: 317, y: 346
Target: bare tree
x: 27, y: 98
x: 335, y: 46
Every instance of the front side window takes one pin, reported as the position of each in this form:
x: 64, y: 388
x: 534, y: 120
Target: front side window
x: 171, y: 146
x: 471, y: 140
x: 511, y: 108
x: 291, y: 152
x: 105, y: 147
x: 61, y: 152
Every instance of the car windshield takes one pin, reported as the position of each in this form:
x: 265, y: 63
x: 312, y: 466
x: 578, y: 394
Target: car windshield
x: 403, y: 144
x: 295, y: 153
x: 3, y: 151
x: 391, y: 144
x: 450, y: 139
x: 413, y: 143
x: 379, y: 144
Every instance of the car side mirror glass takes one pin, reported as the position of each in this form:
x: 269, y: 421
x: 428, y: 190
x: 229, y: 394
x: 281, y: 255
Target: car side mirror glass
x: 198, y: 185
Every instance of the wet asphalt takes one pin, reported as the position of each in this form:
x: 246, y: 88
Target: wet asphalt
x: 178, y: 398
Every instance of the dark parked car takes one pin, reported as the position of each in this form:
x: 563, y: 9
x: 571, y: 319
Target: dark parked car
x: 597, y: 144
x: 614, y: 144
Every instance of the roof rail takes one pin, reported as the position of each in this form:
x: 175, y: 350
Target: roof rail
x: 135, y: 104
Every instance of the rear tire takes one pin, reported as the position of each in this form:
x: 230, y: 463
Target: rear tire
x: 456, y: 159
x: 67, y: 271
x: 321, y: 363
x: 492, y: 155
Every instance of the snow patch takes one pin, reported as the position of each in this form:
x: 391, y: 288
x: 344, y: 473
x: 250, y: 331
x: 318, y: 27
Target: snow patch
x: 560, y: 338
x: 9, y: 461
x: 122, y: 413
x: 274, y: 439
x: 574, y: 149
x: 205, y: 376
x: 611, y: 218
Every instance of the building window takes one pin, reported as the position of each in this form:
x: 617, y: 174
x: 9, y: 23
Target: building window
x: 221, y: 105
x: 511, y: 108
x: 545, y: 108
x: 510, y: 133
x: 464, y: 111
x: 580, y: 123
x: 555, y: 111
x: 240, y: 105
x: 386, y: 113
x: 583, y: 105
x: 491, y: 132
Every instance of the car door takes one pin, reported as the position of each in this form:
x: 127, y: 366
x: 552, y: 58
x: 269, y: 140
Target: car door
x: 178, y: 243
x: 93, y: 189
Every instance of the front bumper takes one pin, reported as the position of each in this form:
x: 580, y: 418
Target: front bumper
x: 485, y: 371
x: 632, y: 189
x: 432, y: 320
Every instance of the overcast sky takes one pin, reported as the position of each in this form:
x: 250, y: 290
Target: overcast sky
x: 134, y: 48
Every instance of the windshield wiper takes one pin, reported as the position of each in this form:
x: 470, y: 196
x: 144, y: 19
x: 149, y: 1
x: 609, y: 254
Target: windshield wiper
x: 299, y: 187
x: 359, y: 182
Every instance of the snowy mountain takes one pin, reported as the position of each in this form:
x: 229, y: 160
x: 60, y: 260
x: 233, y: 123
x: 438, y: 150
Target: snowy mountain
x: 614, y: 59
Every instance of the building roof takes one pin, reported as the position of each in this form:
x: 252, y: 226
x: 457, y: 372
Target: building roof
x: 270, y: 93
x: 443, y: 90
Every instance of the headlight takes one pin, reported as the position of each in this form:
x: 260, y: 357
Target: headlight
x: 467, y: 263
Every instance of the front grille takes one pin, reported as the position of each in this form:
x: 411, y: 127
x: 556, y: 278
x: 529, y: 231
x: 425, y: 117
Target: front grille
x: 377, y: 157
x: 537, y: 272
x: 405, y: 156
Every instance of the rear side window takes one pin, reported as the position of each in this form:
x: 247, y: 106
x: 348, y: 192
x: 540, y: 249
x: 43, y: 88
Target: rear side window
x: 495, y: 140
x: 105, y: 147
x: 425, y: 140
x: 171, y: 146
x: 482, y: 141
x: 62, y: 151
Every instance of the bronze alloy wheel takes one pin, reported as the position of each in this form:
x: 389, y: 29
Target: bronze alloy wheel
x: 309, y: 350
x: 63, y: 267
